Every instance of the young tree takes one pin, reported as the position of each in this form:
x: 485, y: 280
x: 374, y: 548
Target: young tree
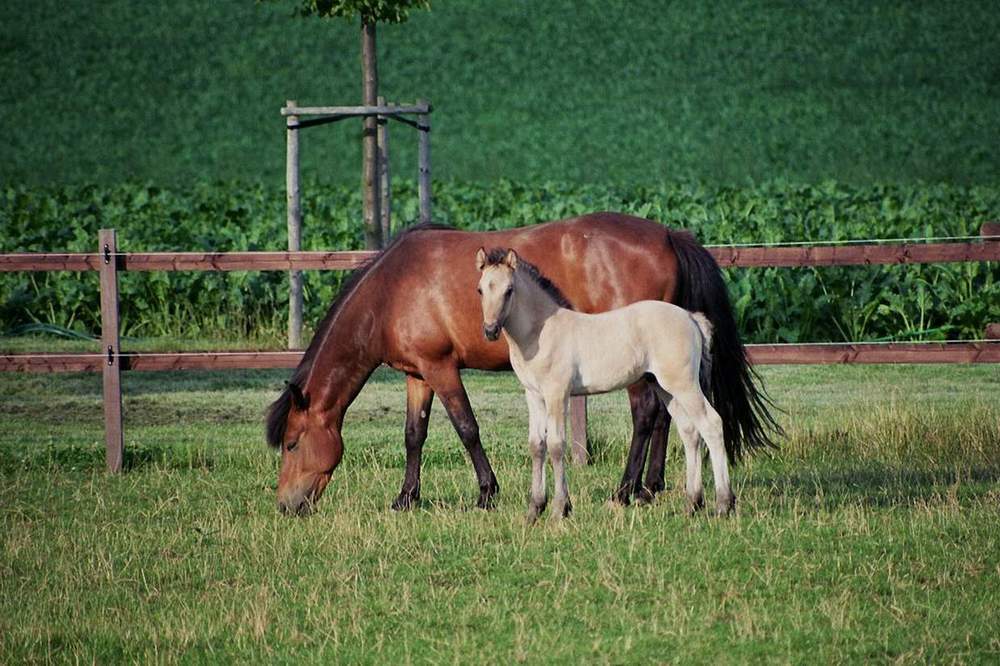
x: 370, y: 12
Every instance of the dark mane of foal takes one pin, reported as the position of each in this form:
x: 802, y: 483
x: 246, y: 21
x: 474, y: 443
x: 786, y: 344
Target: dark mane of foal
x: 277, y: 413
x: 496, y: 256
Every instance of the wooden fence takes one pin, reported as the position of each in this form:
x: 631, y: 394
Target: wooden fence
x: 111, y: 361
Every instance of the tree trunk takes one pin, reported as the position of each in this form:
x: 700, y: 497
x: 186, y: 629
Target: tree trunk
x: 370, y: 176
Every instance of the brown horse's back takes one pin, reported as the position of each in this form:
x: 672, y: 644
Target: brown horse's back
x: 432, y: 313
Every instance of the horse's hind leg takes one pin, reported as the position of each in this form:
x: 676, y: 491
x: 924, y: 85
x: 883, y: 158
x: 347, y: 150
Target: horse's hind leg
x: 645, y: 407
x: 447, y: 383
x: 419, y: 396
x: 657, y: 454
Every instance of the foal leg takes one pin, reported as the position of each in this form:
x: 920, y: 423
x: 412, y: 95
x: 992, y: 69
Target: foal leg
x: 709, y: 425
x: 536, y: 447
x: 447, y: 383
x: 644, y: 405
x: 694, y: 457
x: 418, y: 411
x: 555, y: 438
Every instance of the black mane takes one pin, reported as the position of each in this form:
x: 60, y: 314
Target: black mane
x: 496, y: 256
x: 277, y: 413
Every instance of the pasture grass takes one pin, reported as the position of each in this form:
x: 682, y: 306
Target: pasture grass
x: 870, y: 536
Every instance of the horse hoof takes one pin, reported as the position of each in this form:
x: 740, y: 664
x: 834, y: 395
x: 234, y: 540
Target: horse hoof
x: 621, y: 498
x: 405, y: 502
x: 645, y: 497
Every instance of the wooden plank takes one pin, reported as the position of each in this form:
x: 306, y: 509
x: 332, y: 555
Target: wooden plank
x: 114, y: 441
x: 358, y: 111
x: 578, y: 426
x: 992, y: 331
x: 990, y: 230
x: 909, y: 352
x: 424, y: 166
x: 817, y: 255
x: 855, y: 255
x: 293, y: 201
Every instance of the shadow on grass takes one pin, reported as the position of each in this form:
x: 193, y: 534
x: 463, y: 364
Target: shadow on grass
x: 874, y: 486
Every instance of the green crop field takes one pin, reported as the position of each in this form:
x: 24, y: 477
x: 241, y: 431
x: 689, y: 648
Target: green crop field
x: 580, y: 90
x: 869, y: 537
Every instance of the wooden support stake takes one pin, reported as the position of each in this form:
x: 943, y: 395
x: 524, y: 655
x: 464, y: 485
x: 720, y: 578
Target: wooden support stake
x: 578, y: 422
x: 294, y: 204
x: 369, y: 140
x: 424, y: 180
x: 385, y: 182
x: 113, y: 439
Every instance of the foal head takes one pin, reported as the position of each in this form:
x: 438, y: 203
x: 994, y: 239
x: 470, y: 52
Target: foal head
x: 496, y: 288
x: 311, y: 448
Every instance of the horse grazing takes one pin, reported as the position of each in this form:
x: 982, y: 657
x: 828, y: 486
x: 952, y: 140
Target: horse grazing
x: 556, y: 352
x: 414, y: 307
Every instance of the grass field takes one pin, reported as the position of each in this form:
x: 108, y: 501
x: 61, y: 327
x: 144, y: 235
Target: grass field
x: 584, y: 90
x: 871, y: 535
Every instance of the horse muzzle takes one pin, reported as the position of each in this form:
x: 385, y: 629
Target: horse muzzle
x: 491, y: 331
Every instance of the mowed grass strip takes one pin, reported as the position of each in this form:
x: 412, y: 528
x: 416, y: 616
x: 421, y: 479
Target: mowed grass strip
x: 871, y: 535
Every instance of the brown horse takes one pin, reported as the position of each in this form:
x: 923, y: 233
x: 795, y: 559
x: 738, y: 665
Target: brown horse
x: 415, y: 308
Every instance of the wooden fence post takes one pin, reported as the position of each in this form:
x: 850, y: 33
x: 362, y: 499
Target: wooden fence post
x: 294, y: 204
x: 578, y: 422
x: 424, y: 181
x: 113, y: 439
x: 385, y: 181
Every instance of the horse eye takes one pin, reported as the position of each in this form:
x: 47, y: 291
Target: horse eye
x: 509, y: 290
x: 291, y: 445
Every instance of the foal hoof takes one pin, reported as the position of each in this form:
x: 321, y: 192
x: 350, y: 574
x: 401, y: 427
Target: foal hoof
x: 561, y: 511
x: 531, y: 515
x: 695, y: 505
x: 725, y: 505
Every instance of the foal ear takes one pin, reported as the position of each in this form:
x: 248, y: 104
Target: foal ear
x: 299, y: 399
x: 481, y: 259
x: 511, y: 259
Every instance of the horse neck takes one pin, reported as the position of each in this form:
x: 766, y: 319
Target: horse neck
x: 346, y: 357
x: 531, y: 308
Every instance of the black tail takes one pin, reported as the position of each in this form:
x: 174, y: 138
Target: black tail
x: 736, y: 389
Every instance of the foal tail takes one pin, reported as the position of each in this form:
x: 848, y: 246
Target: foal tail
x: 736, y: 390
x: 705, y: 369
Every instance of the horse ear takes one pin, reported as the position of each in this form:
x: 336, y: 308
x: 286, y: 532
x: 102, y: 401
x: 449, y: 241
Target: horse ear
x: 511, y: 259
x: 299, y: 399
x: 481, y: 259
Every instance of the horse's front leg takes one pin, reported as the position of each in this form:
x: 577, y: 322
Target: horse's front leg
x: 536, y: 447
x: 555, y: 438
x: 419, y: 396
x: 447, y: 383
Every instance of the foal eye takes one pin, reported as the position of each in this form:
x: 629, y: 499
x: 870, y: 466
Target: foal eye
x: 479, y: 291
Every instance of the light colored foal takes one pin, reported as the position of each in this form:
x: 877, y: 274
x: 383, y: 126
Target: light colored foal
x: 557, y: 352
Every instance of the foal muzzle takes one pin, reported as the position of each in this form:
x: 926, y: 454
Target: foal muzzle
x: 491, y: 331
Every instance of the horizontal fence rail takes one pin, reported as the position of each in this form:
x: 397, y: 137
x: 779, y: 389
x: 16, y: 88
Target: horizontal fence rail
x: 982, y: 351
x: 109, y: 262
x: 727, y: 257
